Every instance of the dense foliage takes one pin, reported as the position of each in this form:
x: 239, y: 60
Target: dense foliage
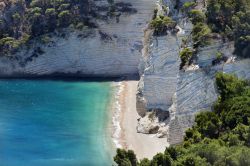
x: 185, y: 56
x: 23, y: 20
x: 232, y: 19
x: 201, y: 32
x: 220, y: 137
x: 161, y: 24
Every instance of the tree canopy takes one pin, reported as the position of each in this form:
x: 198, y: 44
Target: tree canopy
x: 232, y: 19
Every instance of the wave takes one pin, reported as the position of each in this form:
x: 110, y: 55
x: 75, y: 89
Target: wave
x: 116, y: 135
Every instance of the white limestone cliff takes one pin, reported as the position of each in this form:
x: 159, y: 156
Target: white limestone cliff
x: 182, y: 93
x: 113, y: 49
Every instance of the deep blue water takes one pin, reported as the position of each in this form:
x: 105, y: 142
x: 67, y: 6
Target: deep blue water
x: 54, y: 123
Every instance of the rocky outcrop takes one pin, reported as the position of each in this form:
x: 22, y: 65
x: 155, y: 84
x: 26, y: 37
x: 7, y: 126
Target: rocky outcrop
x: 182, y: 93
x: 160, y: 65
x: 196, y: 91
x: 153, y: 122
x: 160, y: 69
x: 113, y: 49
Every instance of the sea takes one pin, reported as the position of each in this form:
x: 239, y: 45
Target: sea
x: 55, y: 123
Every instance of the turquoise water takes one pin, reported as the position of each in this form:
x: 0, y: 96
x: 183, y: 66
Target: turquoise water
x: 54, y: 123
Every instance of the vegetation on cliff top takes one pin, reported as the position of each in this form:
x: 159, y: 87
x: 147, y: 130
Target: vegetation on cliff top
x: 220, y: 137
x: 201, y: 33
x: 231, y: 18
x: 23, y: 20
x: 161, y: 24
x: 185, y: 56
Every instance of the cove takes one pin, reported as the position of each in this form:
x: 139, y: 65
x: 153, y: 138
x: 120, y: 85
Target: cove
x: 54, y: 123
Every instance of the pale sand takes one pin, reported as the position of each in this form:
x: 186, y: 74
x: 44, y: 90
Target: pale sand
x: 143, y: 145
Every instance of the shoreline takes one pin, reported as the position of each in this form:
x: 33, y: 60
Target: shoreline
x: 115, y: 113
x: 124, y: 122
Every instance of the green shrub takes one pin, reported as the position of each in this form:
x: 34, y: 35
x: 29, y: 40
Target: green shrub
x: 35, y: 10
x: 161, y: 24
x: 192, y: 160
x: 161, y: 159
x: 173, y: 152
x: 125, y: 158
x: 63, y: 7
x: 232, y: 18
x: 201, y: 34
x: 35, y: 18
x: 16, y: 18
x: 50, y: 15
x: 197, y: 16
x: 208, y: 124
x: 64, y: 18
x: 229, y: 86
x: 185, y: 56
x: 188, y: 5
x: 145, y: 162
x: 8, y: 44
x: 25, y: 39
x: 219, y: 55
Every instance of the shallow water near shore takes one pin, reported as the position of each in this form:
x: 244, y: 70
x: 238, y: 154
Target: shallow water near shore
x: 54, y: 123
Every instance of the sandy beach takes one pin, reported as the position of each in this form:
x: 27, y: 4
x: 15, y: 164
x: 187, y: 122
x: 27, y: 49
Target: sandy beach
x: 142, y: 144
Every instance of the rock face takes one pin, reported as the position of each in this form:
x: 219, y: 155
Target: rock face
x: 181, y: 93
x: 160, y: 66
x: 159, y: 70
x: 196, y: 91
x: 113, y: 49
